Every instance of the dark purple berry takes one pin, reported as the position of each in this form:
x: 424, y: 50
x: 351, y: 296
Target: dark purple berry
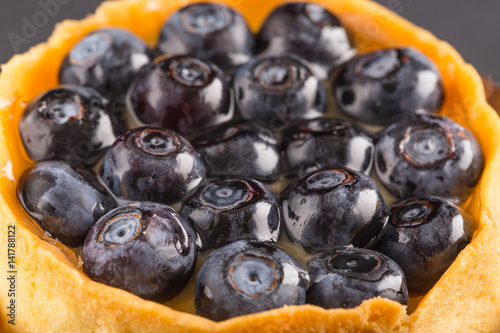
x: 151, y: 164
x: 227, y: 210
x: 324, y: 142
x: 333, y: 207
x: 182, y: 93
x: 276, y: 90
x: 344, y: 277
x: 424, y: 236
x: 144, y: 248
x: 69, y: 123
x: 211, y: 31
x: 428, y: 155
x: 308, y: 30
x: 388, y: 85
x: 248, y: 277
x: 64, y: 201
x: 107, y: 60
x: 241, y: 150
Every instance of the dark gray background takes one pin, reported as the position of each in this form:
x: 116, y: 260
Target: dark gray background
x: 473, y: 27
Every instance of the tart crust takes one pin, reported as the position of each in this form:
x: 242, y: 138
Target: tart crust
x: 54, y: 295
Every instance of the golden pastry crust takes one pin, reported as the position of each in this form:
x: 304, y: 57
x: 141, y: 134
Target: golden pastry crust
x: 53, y: 294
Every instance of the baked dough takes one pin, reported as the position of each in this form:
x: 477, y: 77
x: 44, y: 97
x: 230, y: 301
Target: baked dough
x: 54, y: 295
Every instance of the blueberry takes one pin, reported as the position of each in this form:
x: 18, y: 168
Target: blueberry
x: 151, y: 164
x: 211, y: 31
x: 241, y: 149
x: 107, y: 60
x: 385, y: 86
x: 308, y: 30
x: 64, y: 201
x: 424, y: 236
x: 69, y: 123
x: 144, y: 248
x: 227, y: 210
x: 276, y: 90
x: 323, y: 142
x: 248, y: 277
x: 182, y: 93
x: 428, y: 155
x: 333, y: 207
x: 344, y: 277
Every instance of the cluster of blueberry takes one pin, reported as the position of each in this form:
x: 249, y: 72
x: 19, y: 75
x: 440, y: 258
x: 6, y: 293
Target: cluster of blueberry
x: 224, y: 112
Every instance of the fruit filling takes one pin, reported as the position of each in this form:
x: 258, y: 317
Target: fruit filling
x: 145, y: 248
x: 182, y: 93
x: 277, y: 91
x: 388, y: 85
x: 210, y: 31
x: 70, y: 123
x: 248, y: 277
x: 343, y: 277
x: 229, y: 209
x: 107, y: 60
x: 308, y: 30
x: 424, y: 236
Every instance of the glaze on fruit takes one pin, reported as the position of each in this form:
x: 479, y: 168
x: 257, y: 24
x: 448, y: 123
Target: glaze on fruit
x: 70, y: 123
x: 226, y: 210
x: 248, y: 277
x: 182, y: 93
x: 333, y: 207
x: 428, y: 155
x: 144, y: 248
x: 151, y: 164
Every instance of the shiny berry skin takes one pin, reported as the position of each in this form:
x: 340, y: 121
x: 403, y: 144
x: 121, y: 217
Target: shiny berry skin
x: 424, y: 236
x: 151, y: 164
x: 241, y: 149
x: 323, y: 142
x: 69, y: 123
x: 211, y: 31
x: 226, y: 210
x: 344, y: 277
x: 308, y: 30
x: 107, y: 60
x: 276, y: 90
x: 248, y: 277
x: 144, y: 248
x: 64, y: 201
x: 333, y: 207
x: 388, y: 85
x: 428, y: 155
x: 181, y: 93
